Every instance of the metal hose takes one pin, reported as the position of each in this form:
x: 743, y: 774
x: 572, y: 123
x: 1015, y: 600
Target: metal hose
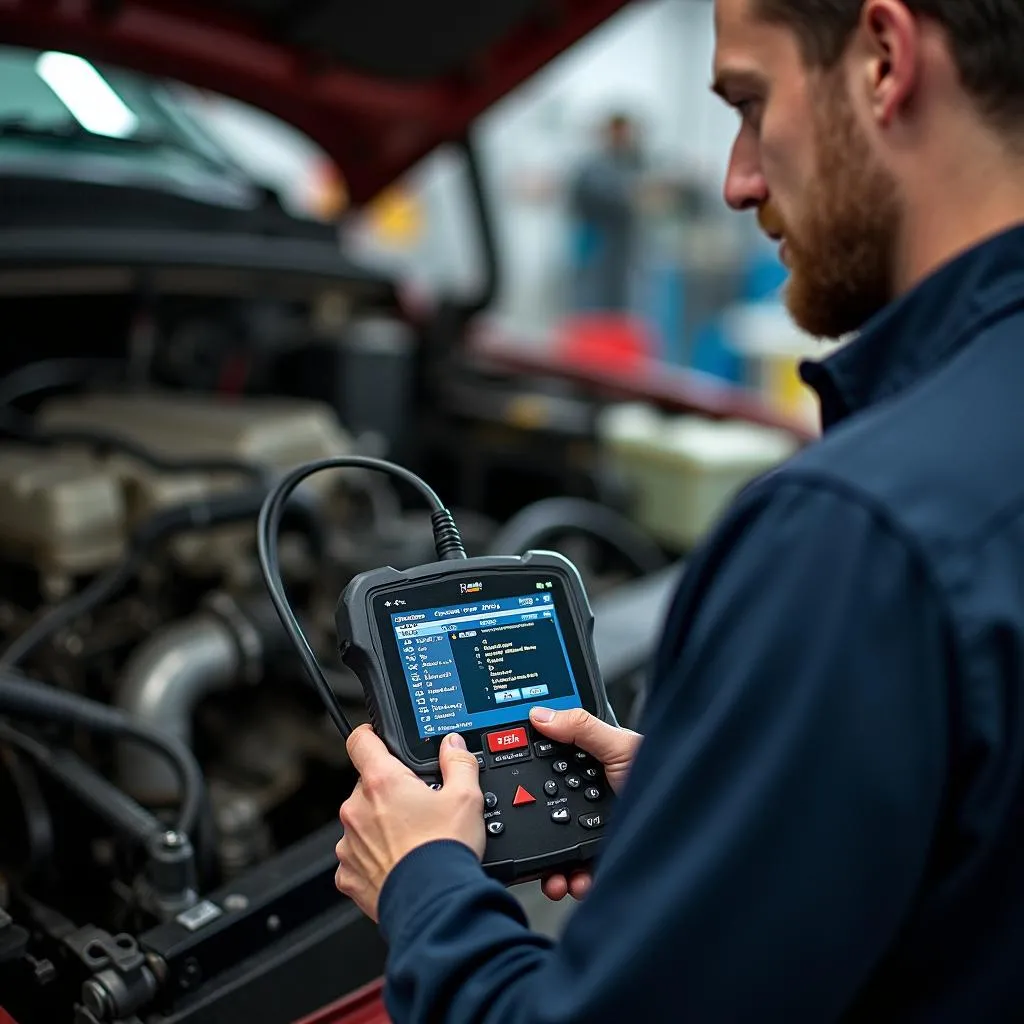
x: 162, y: 682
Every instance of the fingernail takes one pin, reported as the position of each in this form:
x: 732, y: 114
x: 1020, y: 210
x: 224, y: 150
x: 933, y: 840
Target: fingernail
x: 542, y: 714
x: 456, y: 742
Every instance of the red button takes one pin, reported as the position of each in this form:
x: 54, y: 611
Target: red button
x: 522, y: 797
x: 510, y: 739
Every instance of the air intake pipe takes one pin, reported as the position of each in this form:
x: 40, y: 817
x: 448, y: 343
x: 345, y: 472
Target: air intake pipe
x: 168, y: 675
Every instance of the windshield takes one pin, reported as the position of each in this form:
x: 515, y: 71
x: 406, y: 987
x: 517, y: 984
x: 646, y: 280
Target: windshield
x: 65, y: 117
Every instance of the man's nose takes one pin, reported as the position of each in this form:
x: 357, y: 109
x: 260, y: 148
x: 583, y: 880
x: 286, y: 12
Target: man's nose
x: 745, y: 187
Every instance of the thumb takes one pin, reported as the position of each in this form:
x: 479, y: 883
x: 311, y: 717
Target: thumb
x: 458, y: 765
x: 581, y: 729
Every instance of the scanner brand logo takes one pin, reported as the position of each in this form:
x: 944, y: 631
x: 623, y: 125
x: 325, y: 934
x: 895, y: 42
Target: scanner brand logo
x: 471, y: 588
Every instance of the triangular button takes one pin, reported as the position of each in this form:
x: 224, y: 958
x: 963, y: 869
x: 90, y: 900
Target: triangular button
x: 522, y: 797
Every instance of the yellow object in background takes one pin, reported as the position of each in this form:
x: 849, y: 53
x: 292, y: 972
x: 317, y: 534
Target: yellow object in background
x: 773, y: 347
x: 396, y: 218
x: 786, y: 390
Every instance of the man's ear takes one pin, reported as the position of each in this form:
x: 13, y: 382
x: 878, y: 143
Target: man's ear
x: 890, y: 44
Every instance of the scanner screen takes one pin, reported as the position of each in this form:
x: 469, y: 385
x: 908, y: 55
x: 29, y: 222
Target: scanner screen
x: 479, y: 664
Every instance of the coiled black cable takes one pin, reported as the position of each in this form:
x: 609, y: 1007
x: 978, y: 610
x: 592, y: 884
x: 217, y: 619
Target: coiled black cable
x: 447, y: 543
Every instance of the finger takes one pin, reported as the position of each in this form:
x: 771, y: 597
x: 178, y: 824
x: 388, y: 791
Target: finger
x: 368, y: 754
x: 346, y: 804
x: 555, y: 887
x: 579, y: 884
x: 581, y: 729
x: 459, y: 767
x: 344, y: 878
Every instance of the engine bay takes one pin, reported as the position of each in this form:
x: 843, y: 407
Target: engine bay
x: 131, y: 590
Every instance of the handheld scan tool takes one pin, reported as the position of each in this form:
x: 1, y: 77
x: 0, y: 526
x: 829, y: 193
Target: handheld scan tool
x: 469, y: 645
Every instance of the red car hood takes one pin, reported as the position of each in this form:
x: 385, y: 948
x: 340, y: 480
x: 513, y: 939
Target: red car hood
x: 377, y: 84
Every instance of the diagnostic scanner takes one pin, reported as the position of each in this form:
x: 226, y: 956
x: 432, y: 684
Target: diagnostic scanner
x: 470, y: 645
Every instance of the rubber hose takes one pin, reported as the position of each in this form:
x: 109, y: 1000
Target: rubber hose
x: 536, y: 524
x: 220, y: 510
x: 30, y: 699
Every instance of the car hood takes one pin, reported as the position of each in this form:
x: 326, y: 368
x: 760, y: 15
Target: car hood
x: 377, y: 85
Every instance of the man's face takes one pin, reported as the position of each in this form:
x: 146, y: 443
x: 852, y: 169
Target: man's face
x: 803, y: 159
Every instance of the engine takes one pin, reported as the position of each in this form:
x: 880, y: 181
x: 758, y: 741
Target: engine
x: 169, y: 784
x: 186, y: 643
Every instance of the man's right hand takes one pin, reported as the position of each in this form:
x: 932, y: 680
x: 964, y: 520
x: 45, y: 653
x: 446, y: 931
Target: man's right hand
x: 614, y: 748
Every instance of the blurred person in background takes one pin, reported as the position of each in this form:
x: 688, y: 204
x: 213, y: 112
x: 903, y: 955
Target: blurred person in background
x: 604, y: 198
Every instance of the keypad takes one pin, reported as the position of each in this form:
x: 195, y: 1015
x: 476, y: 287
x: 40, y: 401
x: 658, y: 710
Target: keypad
x: 569, y: 771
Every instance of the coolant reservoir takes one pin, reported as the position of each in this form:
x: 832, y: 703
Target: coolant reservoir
x: 59, y: 511
x: 277, y: 432
x: 685, y: 470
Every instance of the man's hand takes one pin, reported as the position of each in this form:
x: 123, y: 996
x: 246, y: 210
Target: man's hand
x: 614, y: 748
x: 391, y: 812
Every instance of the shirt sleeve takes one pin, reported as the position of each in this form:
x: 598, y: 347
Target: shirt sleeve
x: 776, y: 825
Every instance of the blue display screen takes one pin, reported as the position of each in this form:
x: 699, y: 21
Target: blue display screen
x: 485, y: 663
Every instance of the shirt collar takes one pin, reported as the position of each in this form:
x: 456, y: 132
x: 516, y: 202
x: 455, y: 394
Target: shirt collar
x: 919, y: 331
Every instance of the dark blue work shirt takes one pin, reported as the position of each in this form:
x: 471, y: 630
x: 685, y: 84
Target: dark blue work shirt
x: 824, y: 820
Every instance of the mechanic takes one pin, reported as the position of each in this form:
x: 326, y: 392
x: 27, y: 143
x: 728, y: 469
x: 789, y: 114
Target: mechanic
x: 824, y: 818
x: 604, y: 199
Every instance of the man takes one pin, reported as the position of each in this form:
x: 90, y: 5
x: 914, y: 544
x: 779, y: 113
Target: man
x: 603, y: 203
x: 824, y: 818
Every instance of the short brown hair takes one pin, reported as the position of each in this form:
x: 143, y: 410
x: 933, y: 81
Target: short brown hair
x: 986, y: 39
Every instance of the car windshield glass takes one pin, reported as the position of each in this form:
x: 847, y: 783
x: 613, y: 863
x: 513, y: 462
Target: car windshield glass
x: 61, y: 98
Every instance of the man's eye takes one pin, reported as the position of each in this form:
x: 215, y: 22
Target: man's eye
x: 749, y: 111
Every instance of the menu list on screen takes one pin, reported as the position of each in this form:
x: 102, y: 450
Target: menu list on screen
x: 484, y: 663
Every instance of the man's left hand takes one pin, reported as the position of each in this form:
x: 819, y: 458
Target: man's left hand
x: 391, y: 812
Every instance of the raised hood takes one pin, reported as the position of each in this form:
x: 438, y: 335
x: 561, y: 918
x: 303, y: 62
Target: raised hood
x: 377, y: 83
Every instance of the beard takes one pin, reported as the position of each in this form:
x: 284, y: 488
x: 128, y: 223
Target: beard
x: 841, y: 246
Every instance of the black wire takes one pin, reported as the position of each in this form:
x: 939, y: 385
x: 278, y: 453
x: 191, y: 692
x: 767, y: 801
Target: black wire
x: 52, y: 373
x: 446, y: 539
x: 27, y: 698
x: 99, y: 590
x: 38, y: 819
x: 24, y: 429
x: 85, y: 783
x: 48, y: 374
x: 535, y: 526
x: 203, y: 513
